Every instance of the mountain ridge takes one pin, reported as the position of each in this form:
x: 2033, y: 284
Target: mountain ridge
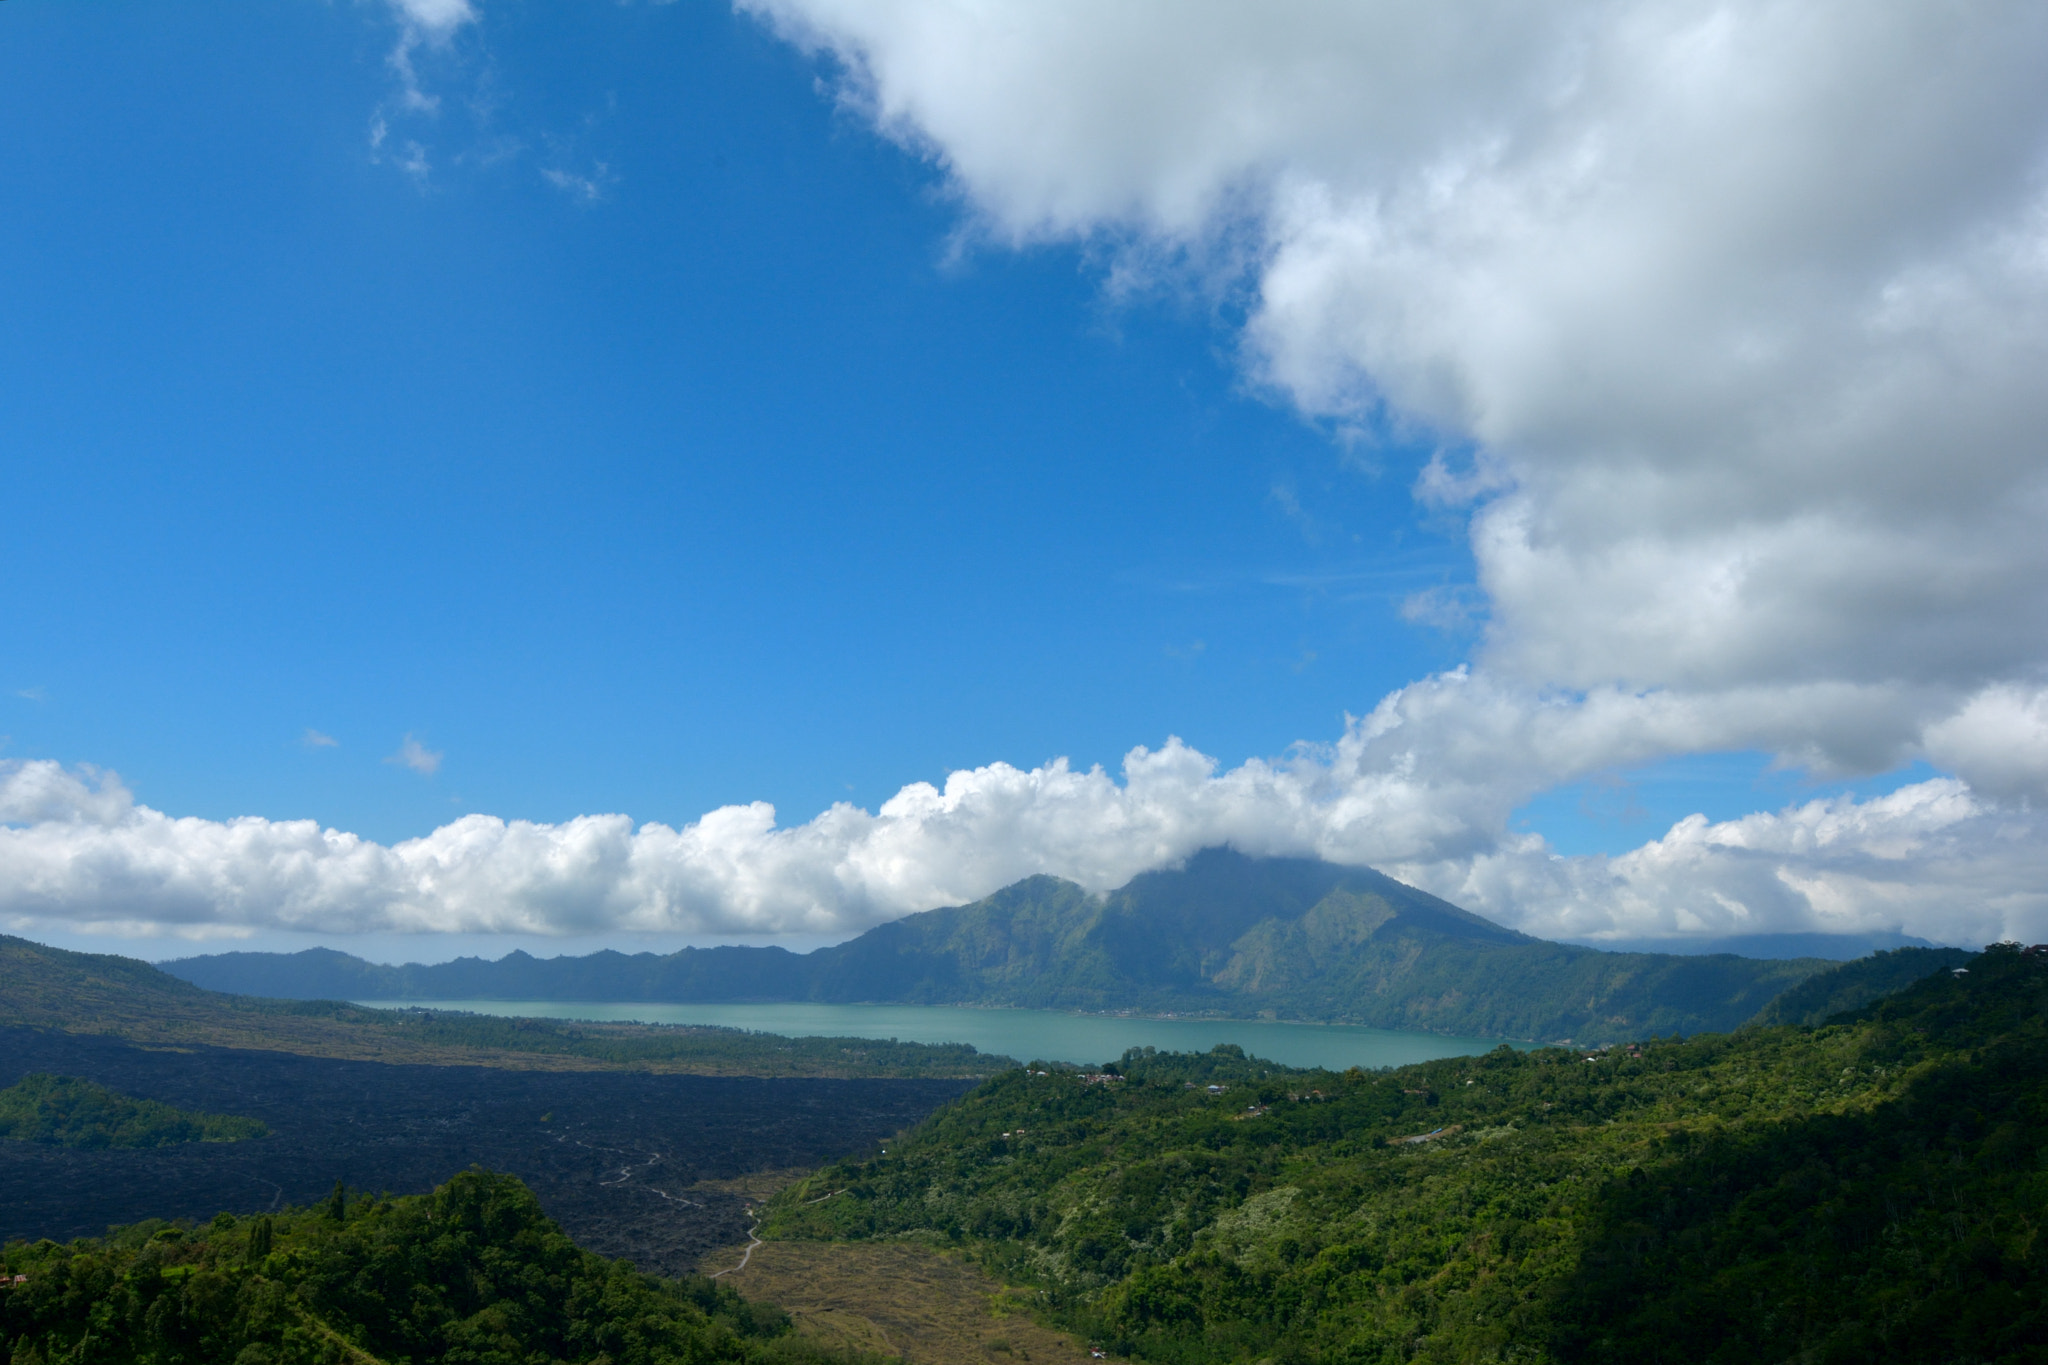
x: 48, y: 988
x: 1223, y: 935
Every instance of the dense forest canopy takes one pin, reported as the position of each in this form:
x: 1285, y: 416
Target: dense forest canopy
x: 473, y: 1272
x: 1870, y: 1189
x: 1855, y: 984
x: 70, y: 1112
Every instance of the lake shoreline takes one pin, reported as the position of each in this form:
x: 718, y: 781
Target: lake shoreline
x: 1025, y: 1034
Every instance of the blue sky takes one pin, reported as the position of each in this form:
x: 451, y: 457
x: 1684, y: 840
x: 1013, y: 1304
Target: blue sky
x: 654, y: 409
x: 737, y: 483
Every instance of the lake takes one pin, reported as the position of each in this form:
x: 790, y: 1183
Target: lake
x: 1043, y: 1035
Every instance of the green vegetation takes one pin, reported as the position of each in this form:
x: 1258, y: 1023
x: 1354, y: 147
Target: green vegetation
x: 693, y: 1047
x: 1226, y: 935
x: 97, y: 993
x: 1291, y: 938
x: 1872, y: 1189
x: 472, y: 1273
x: 68, y: 1112
x: 1855, y: 984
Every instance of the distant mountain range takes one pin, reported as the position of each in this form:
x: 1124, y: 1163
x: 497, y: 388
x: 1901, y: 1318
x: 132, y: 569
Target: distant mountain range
x: 1833, y: 947
x: 1226, y: 935
x: 52, y: 989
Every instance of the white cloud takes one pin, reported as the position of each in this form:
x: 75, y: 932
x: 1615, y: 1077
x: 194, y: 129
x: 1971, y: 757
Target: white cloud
x: 2000, y: 738
x: 77, y: 853
x: 416, y: 756
x: 1933, y: 859
x: 1739, y: 308
x: 41, y: 792
x: 421, y: 23
x: 434, y: 20
x: 587, y: 189
x: 313, y: 739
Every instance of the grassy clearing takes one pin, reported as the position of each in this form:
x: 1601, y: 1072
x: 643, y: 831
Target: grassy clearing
x: 897, y: 1298
x: 755, y: 1186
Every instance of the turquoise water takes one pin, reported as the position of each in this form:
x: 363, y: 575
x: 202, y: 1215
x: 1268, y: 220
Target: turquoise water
x: 1045, y: 1035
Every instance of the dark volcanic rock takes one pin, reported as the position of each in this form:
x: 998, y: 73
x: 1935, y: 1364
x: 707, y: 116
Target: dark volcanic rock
x: 614, y: 1162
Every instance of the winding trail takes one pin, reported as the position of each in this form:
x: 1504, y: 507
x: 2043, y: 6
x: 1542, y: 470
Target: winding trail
x: 627, y: 1172
x: 748, y: 1255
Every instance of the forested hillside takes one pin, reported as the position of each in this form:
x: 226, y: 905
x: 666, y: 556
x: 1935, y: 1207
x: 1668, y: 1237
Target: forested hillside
x: 473, y: 1272
x: 702, y: 974
x: 1855, y: 984
x: 1228, y: 935
x: 66, y: 1111
x: 44, y: 987
x: 1296, y: 939
x: 1868, y: 1190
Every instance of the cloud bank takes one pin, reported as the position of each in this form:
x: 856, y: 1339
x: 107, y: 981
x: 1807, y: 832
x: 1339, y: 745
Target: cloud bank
x: 78, y: 853
x: 1728, y: 316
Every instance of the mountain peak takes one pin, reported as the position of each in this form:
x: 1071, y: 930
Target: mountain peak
x: 1226, y: 933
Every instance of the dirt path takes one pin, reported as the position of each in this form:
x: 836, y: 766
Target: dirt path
x: 753, y: 1240
x: 899, y: 1299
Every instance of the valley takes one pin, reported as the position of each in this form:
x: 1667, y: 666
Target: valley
x: 1224, y: 936
x: 642, y: 1165
x: 945, y: 1206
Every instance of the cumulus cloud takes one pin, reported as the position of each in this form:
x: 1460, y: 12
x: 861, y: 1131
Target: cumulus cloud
x: 2000, y: 738
x: 1933, y: 859
x: 434, y: 20
x: 1728, y: 314
x: 42, y: 792
x: 416, y: 756
x: 313, y: 739
x: 77, y: 852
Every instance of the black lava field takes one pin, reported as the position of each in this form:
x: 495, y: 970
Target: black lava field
x: 615, y: 1157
